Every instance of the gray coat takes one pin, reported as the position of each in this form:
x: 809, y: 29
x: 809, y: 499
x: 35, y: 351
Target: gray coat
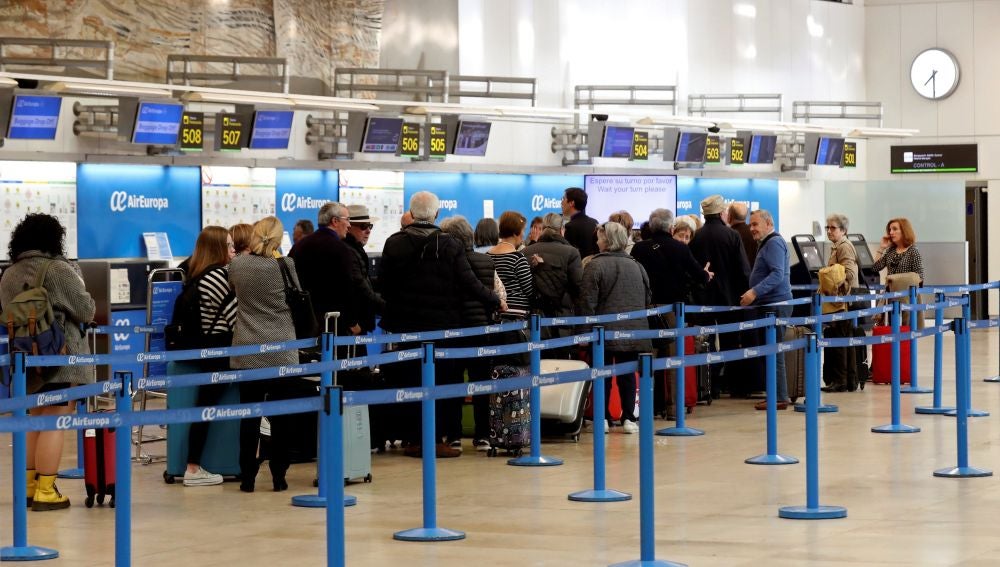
x: 263, y: 315
x: 71, y: 304
x: 614, y: 282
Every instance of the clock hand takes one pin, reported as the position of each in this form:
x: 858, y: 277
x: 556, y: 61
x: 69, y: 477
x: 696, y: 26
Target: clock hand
x: 931, y: 78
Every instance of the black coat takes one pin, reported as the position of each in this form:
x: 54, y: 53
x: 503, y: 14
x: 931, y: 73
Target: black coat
x: 580, y: 232
x: 671, y: 267
x: 323, y: 262
x: 370, y: 303
x: 424, y: 277
x: 475, y: 312
x: 561, y: 274
x: 717, y: 243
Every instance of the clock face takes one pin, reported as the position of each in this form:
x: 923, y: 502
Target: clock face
x: 934, y: 73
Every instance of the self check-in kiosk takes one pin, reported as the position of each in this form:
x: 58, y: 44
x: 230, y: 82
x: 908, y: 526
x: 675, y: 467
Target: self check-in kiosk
x: 868, y: 277
x: 806, y: 270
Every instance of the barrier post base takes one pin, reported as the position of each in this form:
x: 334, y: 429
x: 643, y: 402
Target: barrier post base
x: 429, y: 534
x: 599, y: 496
x: 70, y: 473
x: 650, y: 563
x: 932, y: 410
x: 27, y: 553
x: 824, y: 408
x: 962, y: 472
x: 680, y: 432
x: 817, y: 513
x: 890, y: 428
x: 917, y: 390
x: 971, y: 413
x: 766, y: 459
x: 992, y: 379
x: 317, y: 501
x: 539, y: 461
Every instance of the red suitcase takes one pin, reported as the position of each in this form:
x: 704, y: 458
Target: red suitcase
x: 99, y: 465
x: 882, y: 357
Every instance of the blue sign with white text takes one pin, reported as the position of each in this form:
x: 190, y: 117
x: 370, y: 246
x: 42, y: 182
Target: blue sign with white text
x: 271, y: 129
x: 128, y: 343
x: 161, y: 312
x: 118, y: 203
x: 465, y: 193
x: 34, y: 117
x: 301, y: 192
x: 756, y: 193
x: 157, y: 123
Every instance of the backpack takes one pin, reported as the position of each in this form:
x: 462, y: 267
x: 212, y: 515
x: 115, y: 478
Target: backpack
x: 184, y: 330
x: 32, y: 327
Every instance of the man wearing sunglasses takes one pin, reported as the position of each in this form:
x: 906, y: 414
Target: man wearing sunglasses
x: 370, y: 303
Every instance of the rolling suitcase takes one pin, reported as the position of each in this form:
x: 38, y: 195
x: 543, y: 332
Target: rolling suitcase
x: 357, y: 444
x: 881, y: 371
x: 510, y: 418
x: 795, y: 365
x: 563, y: 404
x: 99, y: 465
x: 222, y: 446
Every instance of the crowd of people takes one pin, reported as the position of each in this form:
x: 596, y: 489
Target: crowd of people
x: 434, y: 276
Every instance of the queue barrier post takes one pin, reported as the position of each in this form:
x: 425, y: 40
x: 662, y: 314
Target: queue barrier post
x: 430, y: 530
x: 770, y: 363
x: 600, y: 492
x: 895, y: 426
x: 812, y: 510
x: 936, y: 408
x: 333, y: 472
x: 77, y: 472
x: 817, y: 312
x: 963, y: 384
x: 914, y: 387
x: 647, y: 500
x: 967, y: 315
x: 21, y: 551
x: 995, y: 378
x: 535, y: 458
x: 681, y: 429
x: 122, y: 495
x: 328, y: 354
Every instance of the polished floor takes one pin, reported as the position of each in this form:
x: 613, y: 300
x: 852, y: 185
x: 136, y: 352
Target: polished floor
x: 711, y: 508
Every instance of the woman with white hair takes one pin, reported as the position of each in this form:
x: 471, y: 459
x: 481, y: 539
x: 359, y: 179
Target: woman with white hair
x: 614, y: 282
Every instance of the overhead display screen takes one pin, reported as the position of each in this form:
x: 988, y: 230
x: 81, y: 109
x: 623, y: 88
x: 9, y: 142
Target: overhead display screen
x: 473, y: 137
x: 617, y: 142
x: 943, y: 158
x: 762, y: 148
x: 691, y: 147
x: 829, y: 151
x: 271, y: 129
x: 34, y: 117
x: 637, y: 194
x: 157, y: 123
x: 382, y: 135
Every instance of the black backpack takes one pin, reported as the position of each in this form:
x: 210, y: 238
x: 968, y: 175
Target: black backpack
x: 184, y: 330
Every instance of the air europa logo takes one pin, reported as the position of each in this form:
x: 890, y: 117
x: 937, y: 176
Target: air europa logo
x: 290, y: 202
x: 448, y: 204
x: 211, y: 414
x: 121, y: 337
x: 539, y: 202
x: 120, y: 201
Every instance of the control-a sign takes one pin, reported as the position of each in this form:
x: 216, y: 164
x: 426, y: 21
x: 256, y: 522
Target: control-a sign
x: 640, y: 145
x: 193, y: 131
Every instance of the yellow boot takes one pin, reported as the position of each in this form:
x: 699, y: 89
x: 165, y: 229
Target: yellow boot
x: 47, y: 496
x: 32, y: 483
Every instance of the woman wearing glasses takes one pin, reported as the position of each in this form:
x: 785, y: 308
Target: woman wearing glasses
x: 840, y: 370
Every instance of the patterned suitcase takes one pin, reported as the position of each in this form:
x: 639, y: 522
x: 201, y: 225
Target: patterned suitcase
x: 510, y: 415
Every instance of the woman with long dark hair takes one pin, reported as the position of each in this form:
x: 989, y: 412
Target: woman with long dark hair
x: 38, y: 252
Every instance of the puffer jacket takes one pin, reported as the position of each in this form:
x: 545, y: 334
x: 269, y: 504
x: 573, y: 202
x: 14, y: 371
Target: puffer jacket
x: 614, y: 282
x: 474, y: 312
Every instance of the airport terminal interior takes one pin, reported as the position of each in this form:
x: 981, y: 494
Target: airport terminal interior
x: 136, y: 125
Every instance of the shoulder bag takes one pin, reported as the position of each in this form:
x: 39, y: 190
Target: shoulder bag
x: 300, y: 303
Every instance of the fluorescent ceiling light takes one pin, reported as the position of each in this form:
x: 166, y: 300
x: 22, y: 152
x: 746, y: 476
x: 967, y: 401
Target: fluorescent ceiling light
x: 752, y: 125
x: 108, y: 89
x: 882, y: 133
x: 233, y: 98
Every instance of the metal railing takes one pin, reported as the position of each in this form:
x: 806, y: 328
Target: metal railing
x: 424, y: 85
x: 705, y: 104
x: 51, y: 52
x: 183, y: 69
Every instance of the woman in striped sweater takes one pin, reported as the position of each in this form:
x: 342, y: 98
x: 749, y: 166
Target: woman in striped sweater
x: 208, y: 270
x: 510, y: 263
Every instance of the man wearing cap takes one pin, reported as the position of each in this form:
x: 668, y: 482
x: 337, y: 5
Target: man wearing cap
x: 370, y: 303
x: 323, y: 262
x: 720, y: 246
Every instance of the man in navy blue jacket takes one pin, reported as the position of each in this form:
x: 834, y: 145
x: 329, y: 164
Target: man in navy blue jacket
x: 769, y: 283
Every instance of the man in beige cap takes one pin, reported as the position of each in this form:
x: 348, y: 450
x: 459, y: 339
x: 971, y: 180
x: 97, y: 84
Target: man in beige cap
x: 721, y: 246
x: 370, y: 303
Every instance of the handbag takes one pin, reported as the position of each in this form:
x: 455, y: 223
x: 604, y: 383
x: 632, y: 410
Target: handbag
x: 300, y: 304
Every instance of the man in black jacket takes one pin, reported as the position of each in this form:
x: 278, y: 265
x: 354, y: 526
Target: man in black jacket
x: 370, y: 303
x: 581, y: 230
x: 323, y: 262
x: 721, y: 247
x: 672, y: 271
x: 737, y: 220
x: 424, y: 277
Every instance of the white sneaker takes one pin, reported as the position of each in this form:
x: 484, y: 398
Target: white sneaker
x: 201, y: 477
x: 630, y: 427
